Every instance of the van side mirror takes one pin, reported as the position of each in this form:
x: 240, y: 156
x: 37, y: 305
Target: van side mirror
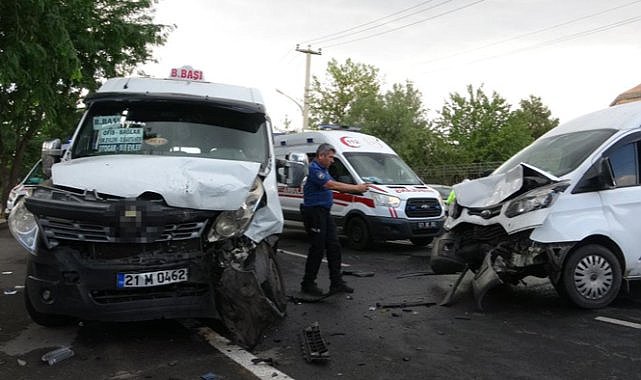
x: 51, y: 153
x: 598, y: 177
x: 291, y: 173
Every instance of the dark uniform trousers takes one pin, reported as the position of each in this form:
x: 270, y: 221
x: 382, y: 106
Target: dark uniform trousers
x: 321, y: 229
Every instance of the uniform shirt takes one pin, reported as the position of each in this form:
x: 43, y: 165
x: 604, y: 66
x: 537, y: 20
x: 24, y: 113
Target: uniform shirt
x: 314, y: 192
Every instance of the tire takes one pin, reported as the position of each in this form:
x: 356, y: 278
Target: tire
x: 421, y: 242
x: 591, y: 277
x: 46, y: 320
x: 358, y: 234
x: 270, y: 278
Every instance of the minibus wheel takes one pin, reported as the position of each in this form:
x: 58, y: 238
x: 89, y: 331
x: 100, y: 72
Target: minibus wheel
x: 358, y: 233
x: 592, y: 276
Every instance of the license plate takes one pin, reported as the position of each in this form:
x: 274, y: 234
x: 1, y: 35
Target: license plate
x: 422, y: 225
x: 141, y: 280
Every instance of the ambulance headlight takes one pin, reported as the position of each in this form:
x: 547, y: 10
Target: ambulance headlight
x: 23, y: 226
x: 385, y: 200
x: 234, y: 223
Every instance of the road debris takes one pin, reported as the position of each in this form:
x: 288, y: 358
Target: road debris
x: 313, y: 345
x: 10, y: 291
x: 57, y: 355
x: 21, y: 362
x: 404, y: 305
x: 209, y: 376
x: 269, y: 361
x: 416, y: 274
x: 357, y: 273
x: 449, y: 297
x: 7, y: 272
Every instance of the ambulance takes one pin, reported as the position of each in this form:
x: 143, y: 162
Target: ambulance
x: 398, y: 204
x: 164, y: 206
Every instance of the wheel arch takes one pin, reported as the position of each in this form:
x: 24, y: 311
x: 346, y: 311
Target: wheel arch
x: 600, y: 240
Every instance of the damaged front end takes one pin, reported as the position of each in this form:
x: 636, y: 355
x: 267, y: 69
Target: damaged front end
x: 110, y: 258
x: 490, y: 235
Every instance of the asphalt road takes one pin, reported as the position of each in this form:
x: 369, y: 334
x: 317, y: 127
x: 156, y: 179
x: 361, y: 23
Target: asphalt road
x: 524, y: 332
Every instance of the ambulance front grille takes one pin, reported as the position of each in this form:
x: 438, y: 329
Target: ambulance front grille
x: 422, y: 208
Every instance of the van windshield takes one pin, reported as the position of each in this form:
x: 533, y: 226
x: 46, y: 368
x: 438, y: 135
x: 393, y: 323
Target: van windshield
x: 172, y: 128
x: 382, y: 168
x: 561, y: 154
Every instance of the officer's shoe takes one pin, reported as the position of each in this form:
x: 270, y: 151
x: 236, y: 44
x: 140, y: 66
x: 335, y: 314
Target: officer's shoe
x: 340, y: 287
x: 312, y: 290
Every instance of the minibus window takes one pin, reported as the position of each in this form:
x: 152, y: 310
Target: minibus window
x: 625, y: 165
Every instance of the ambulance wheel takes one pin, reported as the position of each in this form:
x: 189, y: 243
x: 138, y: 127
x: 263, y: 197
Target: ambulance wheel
x: 421, y: 242
x: 592, y: 277
x: 358, y: 233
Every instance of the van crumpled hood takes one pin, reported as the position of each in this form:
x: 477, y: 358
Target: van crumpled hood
x: 490, y: 191
x: 198, y: 183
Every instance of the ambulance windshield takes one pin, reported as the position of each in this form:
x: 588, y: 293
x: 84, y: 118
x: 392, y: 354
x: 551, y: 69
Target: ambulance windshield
x: 172, y: 128
x: 382, y: 168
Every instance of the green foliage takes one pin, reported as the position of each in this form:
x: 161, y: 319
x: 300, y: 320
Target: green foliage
x: 350, y: 92
x: 535, y: 116
x: 51, y: 53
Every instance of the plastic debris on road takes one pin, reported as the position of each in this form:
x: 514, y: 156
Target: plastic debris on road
x: 209, y: 376
x: 57, y: 355
x: 10, y: 291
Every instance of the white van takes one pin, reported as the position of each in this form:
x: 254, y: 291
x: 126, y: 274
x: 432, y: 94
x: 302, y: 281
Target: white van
x: 566, y: 207
x: 164, y: 206
x: 397, y: 206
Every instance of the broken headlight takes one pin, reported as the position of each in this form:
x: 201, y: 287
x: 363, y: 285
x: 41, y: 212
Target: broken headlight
x: 386, y: 200
x: 23, y: 226
x: 534, y: 200
x: 234, y: 223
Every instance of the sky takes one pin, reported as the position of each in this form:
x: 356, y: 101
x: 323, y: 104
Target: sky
x: 576, y: 55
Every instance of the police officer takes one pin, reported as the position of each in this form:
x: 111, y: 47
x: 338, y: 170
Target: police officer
x: 320, y: 226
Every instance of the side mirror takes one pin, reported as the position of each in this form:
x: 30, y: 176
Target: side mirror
x: 598, y: 177
x: 299, y: 157
x: 51, y: 152
x: 291, y: 173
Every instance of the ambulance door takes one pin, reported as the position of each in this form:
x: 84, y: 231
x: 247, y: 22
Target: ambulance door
x: 342, y: 201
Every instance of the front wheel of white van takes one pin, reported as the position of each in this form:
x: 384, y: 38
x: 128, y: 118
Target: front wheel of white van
x: 358, y: 233
x: 592, y: 277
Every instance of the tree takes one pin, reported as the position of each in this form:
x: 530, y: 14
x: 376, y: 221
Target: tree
x: 51, y: 53
x: 350, y: 91
x: 535, y: 116
x: 480, y: 128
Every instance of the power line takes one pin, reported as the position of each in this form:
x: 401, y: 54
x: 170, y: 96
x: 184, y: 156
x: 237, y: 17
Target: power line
x: 386, y: 22
x: 321, y: 38
x: 556, y: 26
x: 405, y: 26
x: 561, y: 39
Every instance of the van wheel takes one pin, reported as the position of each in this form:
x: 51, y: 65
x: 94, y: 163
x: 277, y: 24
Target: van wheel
x: 271, y: 280
x: 47, y: 320
x: 421, y: 242
x: 592, y: 277
x: 358, y: 233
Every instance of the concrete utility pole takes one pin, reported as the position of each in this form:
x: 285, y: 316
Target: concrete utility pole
x: 308, y: 63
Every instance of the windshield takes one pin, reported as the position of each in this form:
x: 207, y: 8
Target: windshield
x: 561, y: 154
x: 382, y: 168
x: 172, y: 128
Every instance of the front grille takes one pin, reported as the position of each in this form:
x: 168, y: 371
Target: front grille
x: 141, y: 294
x: 56, y: 228
x: 485, y: 213
x: 422, y: 207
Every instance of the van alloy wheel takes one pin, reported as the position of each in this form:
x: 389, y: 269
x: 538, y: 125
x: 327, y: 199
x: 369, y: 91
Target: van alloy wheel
x: 592, y: 276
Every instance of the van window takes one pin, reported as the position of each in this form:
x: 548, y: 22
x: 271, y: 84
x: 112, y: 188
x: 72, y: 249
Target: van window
x: 382, y: 168
x: 560, y: 154
x: 339, y: 172
x: 625, y: 165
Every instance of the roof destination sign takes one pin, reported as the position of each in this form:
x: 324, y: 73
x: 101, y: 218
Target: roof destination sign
x: 186, y: 73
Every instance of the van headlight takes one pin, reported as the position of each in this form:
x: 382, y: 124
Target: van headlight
x: 535, y: 200
x: 385, y: 200
x: 234, y: 223
x: 23, y: 226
